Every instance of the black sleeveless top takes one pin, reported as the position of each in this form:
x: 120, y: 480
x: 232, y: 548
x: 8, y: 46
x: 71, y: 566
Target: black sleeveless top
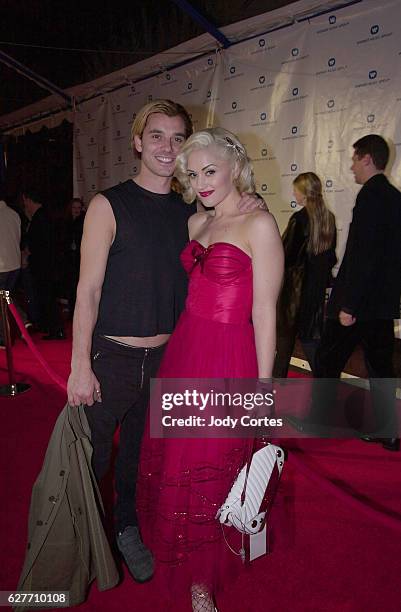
x: 145, y: 286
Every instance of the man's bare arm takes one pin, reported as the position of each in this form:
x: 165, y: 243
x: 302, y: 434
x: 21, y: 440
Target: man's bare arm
x: 98, y: 236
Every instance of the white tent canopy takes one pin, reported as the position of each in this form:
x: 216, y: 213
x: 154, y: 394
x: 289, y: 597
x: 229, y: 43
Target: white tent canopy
x: 50, y: 111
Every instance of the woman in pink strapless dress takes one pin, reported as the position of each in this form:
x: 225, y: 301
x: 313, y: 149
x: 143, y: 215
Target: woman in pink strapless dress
x: 226, y: 331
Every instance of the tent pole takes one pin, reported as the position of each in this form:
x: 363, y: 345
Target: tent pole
x: 33, y: 76
x: 203, y: 22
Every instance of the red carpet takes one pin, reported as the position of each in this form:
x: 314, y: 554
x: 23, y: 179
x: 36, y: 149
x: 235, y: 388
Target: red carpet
x: 330, y: 553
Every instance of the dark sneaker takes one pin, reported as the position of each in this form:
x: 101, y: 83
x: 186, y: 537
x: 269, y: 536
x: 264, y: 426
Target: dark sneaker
x: 138, y: 558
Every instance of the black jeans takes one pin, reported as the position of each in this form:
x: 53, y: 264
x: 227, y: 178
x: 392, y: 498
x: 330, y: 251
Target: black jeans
x: 285, y: 348
x: 123, y: 373
x: 50, y: 319
x: 377, y: 340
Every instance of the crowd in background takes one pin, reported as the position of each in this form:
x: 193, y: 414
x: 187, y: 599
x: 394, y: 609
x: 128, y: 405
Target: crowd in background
x: 40, y: 258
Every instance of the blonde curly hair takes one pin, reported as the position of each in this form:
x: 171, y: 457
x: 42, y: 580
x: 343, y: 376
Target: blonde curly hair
x: 230, y: 149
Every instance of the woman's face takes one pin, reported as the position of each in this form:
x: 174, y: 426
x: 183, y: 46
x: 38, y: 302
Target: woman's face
x: 76, y: 209
x: 210, y: 175
x: 299, y: 197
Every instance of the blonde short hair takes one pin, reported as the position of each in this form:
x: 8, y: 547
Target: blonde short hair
x: 165, y: 107
x: 230, y: 148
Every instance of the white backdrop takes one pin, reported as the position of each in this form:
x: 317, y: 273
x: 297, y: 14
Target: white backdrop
x: 298, y: 98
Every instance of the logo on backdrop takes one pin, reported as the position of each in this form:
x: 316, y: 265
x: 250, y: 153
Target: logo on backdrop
x: 118, y: 135
x: 293, y: 171
x: 263, y: 83
x: 264, y: 188
x: 332, y: 25
x: 118, y: 109
x: 265, y: 154
x: 375, y: 35
x: 233, y: 74
x: 295, y: 132
x: 331, y: 107
x: 296, y: 56
x: 190, y: 89
x: 92, y: 165
x: 293, y: 204
x: 209, y: 65
x: 235, y: 108
x: 168, y: 79
x: 332, y: 66
x: 295, y: 97
x: 262, y: 46
x: 263, y: 119
x: 329, y: 187
x: 133, y: 91
x: 120, y: 161
x: 330, y: 149
x: 373, y: 78
x: 210, y: 97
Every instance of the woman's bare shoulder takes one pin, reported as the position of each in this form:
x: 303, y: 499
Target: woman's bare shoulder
x: 261, y: 221
x: 196, y: 221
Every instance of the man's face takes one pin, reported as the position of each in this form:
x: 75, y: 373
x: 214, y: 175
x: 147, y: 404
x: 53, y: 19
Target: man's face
x: 76, y: 209
x: 160, y: 144
x: 359, y: 168
x: 27, y: 202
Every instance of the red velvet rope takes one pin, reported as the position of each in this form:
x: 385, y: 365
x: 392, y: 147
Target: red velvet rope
x: 55, y: 377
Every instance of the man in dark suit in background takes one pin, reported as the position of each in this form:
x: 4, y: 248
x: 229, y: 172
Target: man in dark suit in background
x: 42, y: 263
x: 366, y: 294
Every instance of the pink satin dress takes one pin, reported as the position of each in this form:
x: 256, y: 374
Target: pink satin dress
x: 183, y: 482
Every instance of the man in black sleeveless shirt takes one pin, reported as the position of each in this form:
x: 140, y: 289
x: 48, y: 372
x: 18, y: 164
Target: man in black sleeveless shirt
x: 131, y: 291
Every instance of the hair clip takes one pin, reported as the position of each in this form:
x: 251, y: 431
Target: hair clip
x: 231, y: 143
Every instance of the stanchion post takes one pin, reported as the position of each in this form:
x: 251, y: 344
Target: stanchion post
x: 13, y: 388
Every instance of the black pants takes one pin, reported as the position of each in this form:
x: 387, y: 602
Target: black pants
x: 285, y: 348
x: 123, y: 373
x: 50, y: 319
x: 377, y: 340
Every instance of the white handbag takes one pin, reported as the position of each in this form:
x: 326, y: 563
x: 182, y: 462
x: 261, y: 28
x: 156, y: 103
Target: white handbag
x: 251, y: 497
